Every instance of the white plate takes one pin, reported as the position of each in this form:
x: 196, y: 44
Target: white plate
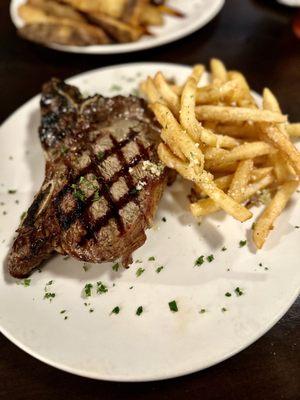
x: 291, y: 3
x: 197, y: 14
x: 158, y: 344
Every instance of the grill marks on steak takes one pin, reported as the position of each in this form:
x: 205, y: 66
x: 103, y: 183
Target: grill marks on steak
x: 102, y: 184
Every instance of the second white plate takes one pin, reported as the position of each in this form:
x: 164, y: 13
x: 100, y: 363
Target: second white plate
x: 197, y: 14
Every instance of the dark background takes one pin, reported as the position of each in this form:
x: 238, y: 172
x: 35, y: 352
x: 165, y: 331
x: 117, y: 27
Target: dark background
x: 255, y: 37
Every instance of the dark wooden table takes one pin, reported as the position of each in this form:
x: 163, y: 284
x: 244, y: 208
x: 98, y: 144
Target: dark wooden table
x: 253, y: 36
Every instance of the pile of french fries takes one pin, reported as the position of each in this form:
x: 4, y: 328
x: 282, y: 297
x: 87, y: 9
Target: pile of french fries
x: 88, y: 22
x: 233, y: 151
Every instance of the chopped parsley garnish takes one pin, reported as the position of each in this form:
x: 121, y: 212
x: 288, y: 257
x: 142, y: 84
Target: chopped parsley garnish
x: 78, y: 193
x: 116, y: 310
x: 101, y: 288
x: 224, y: 309
x: 96, y: 196
x: 266, y: 268
x: 297, y: 227
x: 139, y: 272
x: 199, y: 261
x: 139, y: 310
x: 66, y: 317
x: 115, y: 88
x: 260, y: 264
x: 11, y: 191
x: 210, y: 258
x: 100, y: 155
x: 238, y: 291
x: 26, y: 282
x: 151, y: 258
x: 158, y: 269
x: 242, y: 243
x: 49, y: 283
x: 88, y: 289
x: 227, y: 294
x: 164, y: 219
x: 224, y: 248
x: 91, y: 310
x: 131, y: 287
x: 49, y: 295
x: 173, y: 306
x: 202, y: 311
x: 63, y: 311
x: 138, y: 261
x: 116, y: 267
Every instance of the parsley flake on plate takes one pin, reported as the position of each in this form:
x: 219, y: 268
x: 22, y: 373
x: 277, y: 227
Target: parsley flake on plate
x: 26, y: 282
x: 139, y: 272
x: 228, y: 294
x: 11, y: 191
x: 242, y: 243
x: 158, y: 269
x: 199, y: 261
x: 101, y: 288
x: 224, y: 309
x: 210, y: 258
x: 224, y: 248
x: 139, y: 310
x: 116, y: 310
x: 88, y: 290
x: 151, y: 258
x: 173, y: 306
x: 164, y: 219
x: 49, y: 296
x: 116, y: 267
x: 202, y: 311
x: 238, y: 291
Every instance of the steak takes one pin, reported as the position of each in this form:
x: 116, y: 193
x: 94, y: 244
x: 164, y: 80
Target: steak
x: 103, y: 180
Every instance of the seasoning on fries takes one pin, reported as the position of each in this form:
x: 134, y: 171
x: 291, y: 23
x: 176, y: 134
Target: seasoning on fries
x: 233, y: 151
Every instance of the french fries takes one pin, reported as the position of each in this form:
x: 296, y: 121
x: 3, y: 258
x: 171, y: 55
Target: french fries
x: 233, y: 151
x: 120, y: 21
x: 265, y: 223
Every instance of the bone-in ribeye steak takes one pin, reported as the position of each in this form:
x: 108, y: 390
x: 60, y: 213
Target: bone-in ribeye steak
x: 103, y: 180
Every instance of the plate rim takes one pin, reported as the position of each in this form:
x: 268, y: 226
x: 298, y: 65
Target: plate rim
x: 128, y: 47
x: 116, y: 378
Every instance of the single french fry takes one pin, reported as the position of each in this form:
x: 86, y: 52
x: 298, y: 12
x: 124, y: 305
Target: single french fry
x: 197, y: 72
x: 282, y: 170
x: 218, y: 71
x: 225, y: 114
x: 265, y: 222
x: 282, y: 142
x: 217, y: 157
x: 167, y: 93
x: 245, y: 99
x: 170, y: 11
x: 148, y: 88
x: 240, y: 180
x: 293, y: 129
x: 241, y: 130
x: 270, y: 102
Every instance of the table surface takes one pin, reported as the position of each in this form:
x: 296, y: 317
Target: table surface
x: 252, y: 36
